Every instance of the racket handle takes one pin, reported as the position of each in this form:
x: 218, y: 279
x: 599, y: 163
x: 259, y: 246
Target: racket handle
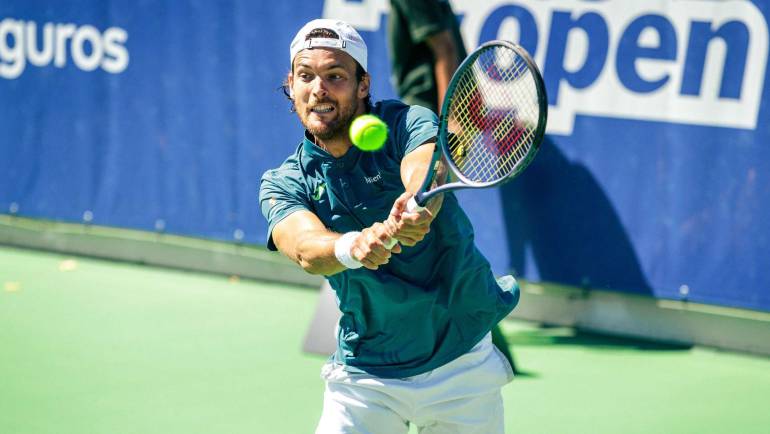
x: 413, y: 206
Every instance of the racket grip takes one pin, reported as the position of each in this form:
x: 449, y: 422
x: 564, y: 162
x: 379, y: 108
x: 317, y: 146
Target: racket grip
x: 413, y: 206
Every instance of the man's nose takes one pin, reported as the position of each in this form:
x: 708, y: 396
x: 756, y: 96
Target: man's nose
x: 319, y: 87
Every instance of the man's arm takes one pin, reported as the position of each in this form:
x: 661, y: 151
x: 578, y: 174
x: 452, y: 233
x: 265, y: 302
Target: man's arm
x: 411, y: 228
x: 444, y: 61
x: 304, y: 239
x: 414, y: 168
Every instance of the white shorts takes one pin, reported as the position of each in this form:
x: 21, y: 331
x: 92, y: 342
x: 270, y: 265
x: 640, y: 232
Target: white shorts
x: 462, y: 396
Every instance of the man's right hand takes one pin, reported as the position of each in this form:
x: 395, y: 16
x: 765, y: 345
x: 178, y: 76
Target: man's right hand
x: 409, y: 228
x: 369, y: 248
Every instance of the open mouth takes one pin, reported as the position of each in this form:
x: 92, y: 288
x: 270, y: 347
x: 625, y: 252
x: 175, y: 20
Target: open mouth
x: 322, y: 108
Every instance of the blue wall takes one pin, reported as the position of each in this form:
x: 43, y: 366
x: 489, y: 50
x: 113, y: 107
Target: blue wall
x: 653, y: 179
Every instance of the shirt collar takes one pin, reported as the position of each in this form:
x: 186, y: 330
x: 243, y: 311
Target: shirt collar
x: 314, y: 154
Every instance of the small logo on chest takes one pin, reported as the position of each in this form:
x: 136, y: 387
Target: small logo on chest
x: 319, y: 191
x: 373, y: 179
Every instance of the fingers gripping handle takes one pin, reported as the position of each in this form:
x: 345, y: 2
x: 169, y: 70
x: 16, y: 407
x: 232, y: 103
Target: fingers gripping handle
x: 411, y: 206
x: 390, y: 243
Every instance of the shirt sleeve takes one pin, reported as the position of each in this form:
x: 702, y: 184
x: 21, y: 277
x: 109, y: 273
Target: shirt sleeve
x: 418, y: 126
x: 424, y: 17
x: 281, y: 194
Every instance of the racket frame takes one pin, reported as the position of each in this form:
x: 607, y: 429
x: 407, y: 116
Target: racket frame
x: 442, y: 147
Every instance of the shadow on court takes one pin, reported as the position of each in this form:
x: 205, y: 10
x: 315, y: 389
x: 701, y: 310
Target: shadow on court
x: 545, y: 336
x: 557, y: 335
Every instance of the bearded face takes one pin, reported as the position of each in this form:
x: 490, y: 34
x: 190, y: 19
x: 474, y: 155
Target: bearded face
x: 326, y: 93
x: 328, y: 118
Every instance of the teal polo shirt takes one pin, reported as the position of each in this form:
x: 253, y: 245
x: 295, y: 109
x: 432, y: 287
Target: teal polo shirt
x: 432, y: 302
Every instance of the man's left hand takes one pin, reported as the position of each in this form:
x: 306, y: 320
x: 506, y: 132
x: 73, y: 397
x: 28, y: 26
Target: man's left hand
x: 409, y: 228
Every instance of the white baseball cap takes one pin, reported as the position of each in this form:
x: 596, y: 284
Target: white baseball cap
x: 349, y: 40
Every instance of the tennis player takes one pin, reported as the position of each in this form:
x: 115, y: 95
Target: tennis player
x: 413, y: 340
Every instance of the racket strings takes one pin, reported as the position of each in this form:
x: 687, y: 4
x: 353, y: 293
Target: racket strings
x: 488, y: 166
x: 492, y: 116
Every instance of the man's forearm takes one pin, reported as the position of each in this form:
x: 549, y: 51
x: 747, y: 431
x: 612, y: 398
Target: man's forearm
x: 415, y: 168
x: 434, y: 205
x: 314, y: 252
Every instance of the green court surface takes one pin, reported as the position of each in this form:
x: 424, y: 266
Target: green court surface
x: 90, y: 346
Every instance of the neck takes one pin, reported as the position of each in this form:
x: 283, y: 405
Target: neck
x: 336, y: 146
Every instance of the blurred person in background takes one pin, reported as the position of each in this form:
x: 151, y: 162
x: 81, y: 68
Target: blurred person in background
x: 426, y: 47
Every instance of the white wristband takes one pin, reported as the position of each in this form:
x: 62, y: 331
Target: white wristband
x: 342, y: 250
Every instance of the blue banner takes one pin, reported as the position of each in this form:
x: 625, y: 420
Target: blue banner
x: 653, y: 179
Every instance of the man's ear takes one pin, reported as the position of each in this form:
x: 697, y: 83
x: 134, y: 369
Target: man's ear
x: 290, y: 82
x: 363, y: 87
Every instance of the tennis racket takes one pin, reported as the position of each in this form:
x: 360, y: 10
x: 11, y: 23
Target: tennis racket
x: 492, y: 121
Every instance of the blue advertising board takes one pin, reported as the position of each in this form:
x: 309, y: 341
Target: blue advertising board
x: 162, y: 115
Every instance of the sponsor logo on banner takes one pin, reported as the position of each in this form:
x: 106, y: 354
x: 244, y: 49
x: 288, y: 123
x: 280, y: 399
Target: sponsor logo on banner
x: 699, y: 62
x: 24, y: 43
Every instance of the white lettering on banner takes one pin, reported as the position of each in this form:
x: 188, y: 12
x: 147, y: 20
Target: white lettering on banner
x: 700, y: 62
x: 21, y: 42
x: 364, y: 15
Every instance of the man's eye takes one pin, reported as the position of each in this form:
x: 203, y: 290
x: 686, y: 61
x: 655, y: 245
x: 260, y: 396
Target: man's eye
x: 304, y: 76
x: 335, y: 77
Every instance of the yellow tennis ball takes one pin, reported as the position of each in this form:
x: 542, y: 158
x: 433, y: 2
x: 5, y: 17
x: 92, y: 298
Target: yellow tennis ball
x: 368, y: 132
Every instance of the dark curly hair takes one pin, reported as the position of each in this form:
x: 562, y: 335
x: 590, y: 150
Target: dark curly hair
x: 360, y: 72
